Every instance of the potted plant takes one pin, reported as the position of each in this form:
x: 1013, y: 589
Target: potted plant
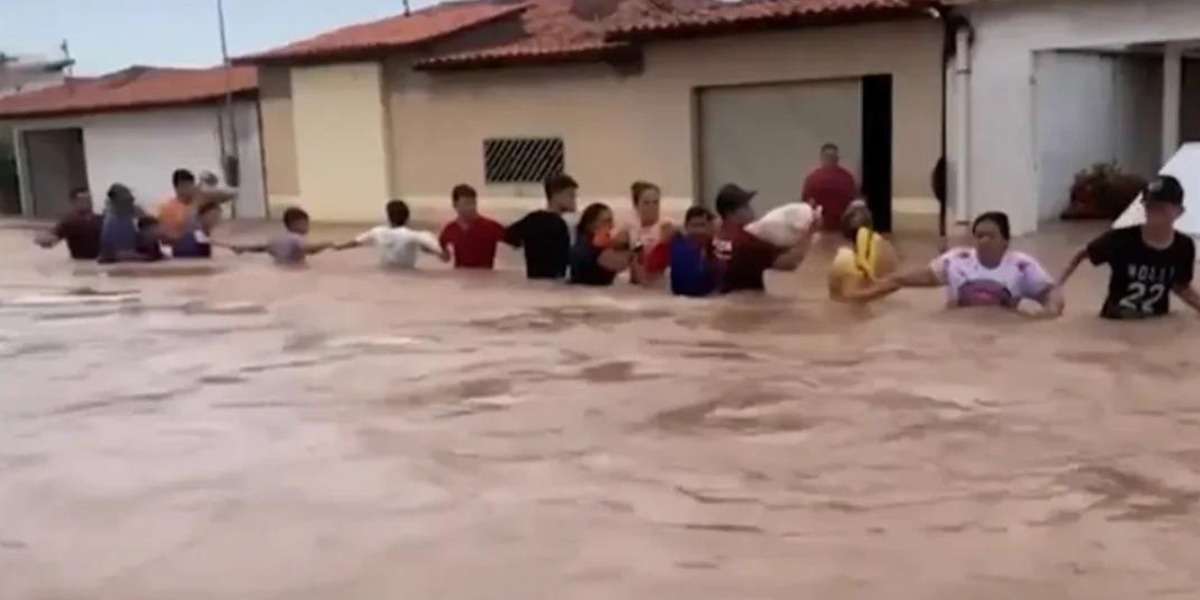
x: 1103, y: 191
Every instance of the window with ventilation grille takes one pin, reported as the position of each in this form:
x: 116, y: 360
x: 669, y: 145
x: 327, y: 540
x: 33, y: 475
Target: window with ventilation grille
x: 522, y: 160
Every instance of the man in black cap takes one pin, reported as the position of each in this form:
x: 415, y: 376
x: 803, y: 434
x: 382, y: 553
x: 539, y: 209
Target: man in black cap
x: 1148, y: 261
x: 744, y: 258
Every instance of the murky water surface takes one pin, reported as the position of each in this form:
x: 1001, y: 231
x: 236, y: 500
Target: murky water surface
x: 239, y: 431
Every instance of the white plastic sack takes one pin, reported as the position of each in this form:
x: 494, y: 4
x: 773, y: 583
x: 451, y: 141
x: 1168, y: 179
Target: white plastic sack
x: 783, y: 226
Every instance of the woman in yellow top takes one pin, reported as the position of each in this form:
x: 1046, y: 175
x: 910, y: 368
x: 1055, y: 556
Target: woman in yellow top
x: 864, y: 258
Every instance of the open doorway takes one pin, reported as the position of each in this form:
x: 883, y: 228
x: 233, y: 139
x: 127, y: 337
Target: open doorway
x: 55, y: 165
x: 768, y: 136
x: 1096, y: 107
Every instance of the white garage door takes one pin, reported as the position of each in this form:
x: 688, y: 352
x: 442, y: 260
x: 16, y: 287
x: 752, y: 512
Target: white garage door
x: 768, y: 137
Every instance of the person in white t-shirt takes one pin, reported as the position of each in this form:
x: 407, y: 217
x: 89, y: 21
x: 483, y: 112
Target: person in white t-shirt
x: 398, y: 245
x: 988, y: 274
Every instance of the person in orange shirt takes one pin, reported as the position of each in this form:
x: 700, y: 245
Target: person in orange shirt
x: 175, y: 214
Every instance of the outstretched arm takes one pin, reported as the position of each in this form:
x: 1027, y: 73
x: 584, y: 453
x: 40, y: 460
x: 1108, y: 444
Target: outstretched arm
x: 218, y: 195
x: 431, y: 245
x: 365, y: 238
x: 1072, y: 266
x: 317, y: 248
x: 243, y: 248
x: 514, y: 235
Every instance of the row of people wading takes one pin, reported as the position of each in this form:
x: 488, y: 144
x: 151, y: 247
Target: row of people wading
x: 706, y: 254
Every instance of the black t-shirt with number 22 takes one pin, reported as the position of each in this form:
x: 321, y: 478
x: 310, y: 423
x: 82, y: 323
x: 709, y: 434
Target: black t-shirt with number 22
x: 1142, y: 276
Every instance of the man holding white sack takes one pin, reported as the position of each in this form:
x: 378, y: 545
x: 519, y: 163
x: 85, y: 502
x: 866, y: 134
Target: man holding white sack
x: 743, y: 257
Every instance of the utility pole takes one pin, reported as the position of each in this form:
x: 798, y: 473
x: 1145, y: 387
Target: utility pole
x: 407, y: 12
x: 229, y: 153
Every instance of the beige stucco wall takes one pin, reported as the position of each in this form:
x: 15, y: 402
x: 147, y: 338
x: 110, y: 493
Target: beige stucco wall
x: 279, y: 136
x: 620, y: 128
x: 908, y: 50
x: 440, y: 122
x: 341, y: 147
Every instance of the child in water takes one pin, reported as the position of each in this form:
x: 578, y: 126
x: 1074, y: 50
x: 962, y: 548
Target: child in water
x: 292, y: 247
x: 398, y: 244
x: 864, y: 257
x: 1148, y: 262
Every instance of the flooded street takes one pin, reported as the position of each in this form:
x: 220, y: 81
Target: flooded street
x: 342, y: 432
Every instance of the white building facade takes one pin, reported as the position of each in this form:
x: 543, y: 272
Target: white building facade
x: 139, y: 148
x: 1041, y: 89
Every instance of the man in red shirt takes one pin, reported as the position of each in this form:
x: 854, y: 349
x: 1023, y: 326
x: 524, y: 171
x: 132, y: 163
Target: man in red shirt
x: 830, y: 187
x: 743, y: 258
x: 472, y: 236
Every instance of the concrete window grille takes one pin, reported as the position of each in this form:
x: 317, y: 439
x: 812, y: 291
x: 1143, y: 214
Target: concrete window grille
x: 522, y: 160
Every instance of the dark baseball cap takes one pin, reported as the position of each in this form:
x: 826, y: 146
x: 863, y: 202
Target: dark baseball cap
x: 1165, y: 189
x: 732, y: 197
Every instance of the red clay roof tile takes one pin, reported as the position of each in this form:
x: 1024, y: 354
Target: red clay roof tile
x: 532, y: 51
x: 132, y: 88
x: 389, y: 34
x: 566, y: 30
x: 751, y: 13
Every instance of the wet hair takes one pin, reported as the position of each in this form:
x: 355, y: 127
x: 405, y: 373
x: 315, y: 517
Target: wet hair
x: 462, y: 190
x: 829, y: 146
x: 207, y: 207
x: 146, y: 222
x: 998, y: 218
x: 397, y: 212
x: 120, y: 199
x: 182, y: 176
x: 848, y: 225
x: 590, y: 215
x: 558, y: 183
x: 697, y: 212
x: 641, y: 187
x: 76, y: 192
x: 293, y: 214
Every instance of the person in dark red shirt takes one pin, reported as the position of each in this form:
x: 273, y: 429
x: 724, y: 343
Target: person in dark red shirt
x: 472, y: 237
x: 830, y: 187
x: 743, y: 258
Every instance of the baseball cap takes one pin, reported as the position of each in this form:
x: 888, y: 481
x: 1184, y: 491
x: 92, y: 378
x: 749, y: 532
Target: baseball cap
x: 732, y: 197
x: 1164, y: 188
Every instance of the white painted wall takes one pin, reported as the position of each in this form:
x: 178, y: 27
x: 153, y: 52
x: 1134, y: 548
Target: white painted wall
x: 142, y: 148
x: 1075, y: 108
x: 1002, y: 157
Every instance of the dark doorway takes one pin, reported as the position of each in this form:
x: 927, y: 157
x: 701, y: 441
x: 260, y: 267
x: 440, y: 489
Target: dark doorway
x: 877, y: 148
x: 55, y: 165
x: 10, y: 188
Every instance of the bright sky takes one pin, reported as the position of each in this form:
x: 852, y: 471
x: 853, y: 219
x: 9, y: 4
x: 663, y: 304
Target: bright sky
x: 106, y: 35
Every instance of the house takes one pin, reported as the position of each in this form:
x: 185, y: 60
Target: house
x: 21, y: 74
x: 1042, y: 89
x: 134, y: 126
x: 686, y: 93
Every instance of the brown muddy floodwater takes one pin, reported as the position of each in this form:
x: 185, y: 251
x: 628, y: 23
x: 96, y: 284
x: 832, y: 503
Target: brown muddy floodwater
x: 341, y: 432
